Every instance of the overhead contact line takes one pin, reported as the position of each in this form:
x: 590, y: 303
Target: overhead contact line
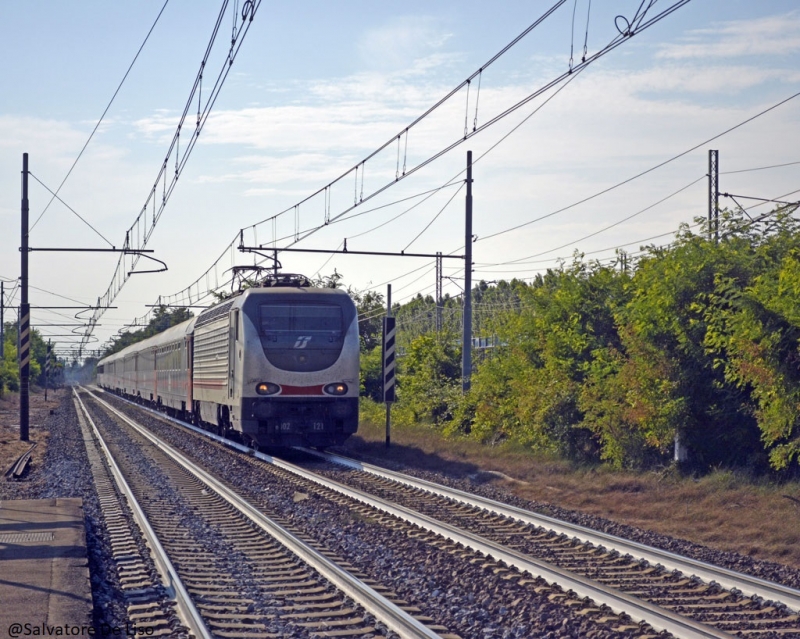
x: 102, y: 117
x: 139, y: 233
x: 639, y: 22
x: 643, y: 173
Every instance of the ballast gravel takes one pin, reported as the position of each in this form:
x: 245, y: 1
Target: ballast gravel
x: 484, y: 484
x: 64, y: 472
x: 470, y: 599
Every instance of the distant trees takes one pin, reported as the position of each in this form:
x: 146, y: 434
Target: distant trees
x: 9, y: 366
x: 163, y: 318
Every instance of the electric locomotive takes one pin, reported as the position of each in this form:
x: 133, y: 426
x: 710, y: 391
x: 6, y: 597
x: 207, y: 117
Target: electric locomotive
x: 277, y: 365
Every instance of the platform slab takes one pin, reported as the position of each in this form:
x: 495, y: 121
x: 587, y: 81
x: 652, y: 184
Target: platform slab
x: 44, y: 571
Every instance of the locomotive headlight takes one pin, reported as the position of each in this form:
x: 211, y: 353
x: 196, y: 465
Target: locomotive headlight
x: 336, y: 389
x: 267, y: 388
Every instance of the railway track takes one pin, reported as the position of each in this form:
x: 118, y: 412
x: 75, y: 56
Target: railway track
x: 142, y: 575
x: 721, y: 598
x: 246, y: 574
x: 679, y: 595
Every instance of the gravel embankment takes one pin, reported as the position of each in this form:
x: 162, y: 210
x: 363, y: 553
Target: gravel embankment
x: 485, y: 486
x: 470, y: 599
x: 467, y: 598
x: 64, y: 472
x: 155, y: 481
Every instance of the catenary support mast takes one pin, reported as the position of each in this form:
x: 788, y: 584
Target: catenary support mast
x: 466, y: 353
x: 24, y: 314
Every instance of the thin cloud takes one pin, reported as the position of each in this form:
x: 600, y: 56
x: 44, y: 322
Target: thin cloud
x: 406, y: 41
x: 771, y: 35
x: 716, y: 79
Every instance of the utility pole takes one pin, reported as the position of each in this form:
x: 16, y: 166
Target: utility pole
x: 24, y: 314
x: 466, y: 353
x: 713, y: 194
x: 439, y: 277
x: 2, y: 322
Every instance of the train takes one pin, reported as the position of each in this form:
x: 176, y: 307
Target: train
x: 276, y: 365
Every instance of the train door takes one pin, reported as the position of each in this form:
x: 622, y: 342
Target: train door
x: 155, y: 373
x: 233, y: 336
x: 188, y: 370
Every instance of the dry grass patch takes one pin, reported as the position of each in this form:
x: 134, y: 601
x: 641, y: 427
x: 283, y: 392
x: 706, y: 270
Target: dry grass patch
x: 10, y: 445
x: 723, y: 510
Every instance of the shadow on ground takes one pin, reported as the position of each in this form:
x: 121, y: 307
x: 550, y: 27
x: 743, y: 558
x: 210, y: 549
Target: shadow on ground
x: 411, y: 457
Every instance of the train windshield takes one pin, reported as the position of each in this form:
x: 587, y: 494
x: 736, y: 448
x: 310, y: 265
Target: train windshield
x: 296, y: 319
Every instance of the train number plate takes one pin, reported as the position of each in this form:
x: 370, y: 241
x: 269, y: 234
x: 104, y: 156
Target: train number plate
x: 289, y: 426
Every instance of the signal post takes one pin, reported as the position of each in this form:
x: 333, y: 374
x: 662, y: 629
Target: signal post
x: 388, y: 362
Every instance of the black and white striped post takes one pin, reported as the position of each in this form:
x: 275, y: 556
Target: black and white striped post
x: 24, y: 314
x: 389, y: 362
x: 47, y: 369
x: 2, y: 324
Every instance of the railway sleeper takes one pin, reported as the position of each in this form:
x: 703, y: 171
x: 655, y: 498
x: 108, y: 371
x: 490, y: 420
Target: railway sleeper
x: 721, y: 623
x: 338, y: 623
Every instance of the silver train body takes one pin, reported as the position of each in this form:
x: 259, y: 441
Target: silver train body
x: 278, y: 366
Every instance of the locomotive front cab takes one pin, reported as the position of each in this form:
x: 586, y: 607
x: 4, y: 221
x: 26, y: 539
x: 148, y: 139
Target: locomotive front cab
x: 308, y: 390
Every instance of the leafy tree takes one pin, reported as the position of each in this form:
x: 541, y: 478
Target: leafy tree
x: 334, y: 280
x: 371, y: 311
x: 429, y: 377
x: 372, y: 374
x: 754, y: 338
x: 529, y: 390
x: 9, y: 369
x: 163, y: 318
x: 9, y: 366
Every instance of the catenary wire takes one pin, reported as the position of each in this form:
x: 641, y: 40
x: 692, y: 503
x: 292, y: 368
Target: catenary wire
x: 643, y: 173
x: 435, y: 217
x: 647, y: 239
x: 606, y: 228
x: 120, y: 277
x: 78, y: 215
x: 640, y: 24
x: 760, y: 168
x: 615, y: 42
x: 96, y: 126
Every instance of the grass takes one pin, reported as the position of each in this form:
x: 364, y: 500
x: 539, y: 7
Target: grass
x: 723, y: 510
x: 10, y: 445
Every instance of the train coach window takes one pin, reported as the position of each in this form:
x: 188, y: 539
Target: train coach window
x: 301, y: 318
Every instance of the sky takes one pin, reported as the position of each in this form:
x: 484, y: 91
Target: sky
x: 318, y: 87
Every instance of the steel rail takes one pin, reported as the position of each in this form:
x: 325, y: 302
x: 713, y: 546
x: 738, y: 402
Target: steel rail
x: 659, y: 618
x: 728, y: 579
x: 385, y: 611
x: 173, y: 584
x: 18, y: 468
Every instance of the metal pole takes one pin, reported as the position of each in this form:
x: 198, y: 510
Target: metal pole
x: 47, y: 370
x: 439, y: 276
x: 716, y: 196
x: 24, y: 314
x: 388, y: 404
x: 2, y: 322
x: 713, y: 194
x: 466, y: 355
